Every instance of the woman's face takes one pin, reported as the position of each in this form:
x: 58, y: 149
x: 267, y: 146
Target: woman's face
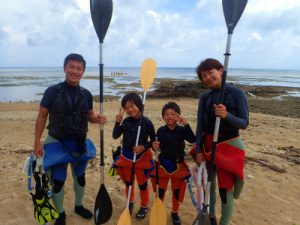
x: 212, y: 78
x: 132, y: 110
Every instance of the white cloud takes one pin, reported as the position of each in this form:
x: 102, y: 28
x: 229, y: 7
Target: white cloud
x: 41, y: 33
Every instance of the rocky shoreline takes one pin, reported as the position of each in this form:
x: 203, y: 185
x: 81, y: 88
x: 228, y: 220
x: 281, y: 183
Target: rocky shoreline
x: 261, y: 99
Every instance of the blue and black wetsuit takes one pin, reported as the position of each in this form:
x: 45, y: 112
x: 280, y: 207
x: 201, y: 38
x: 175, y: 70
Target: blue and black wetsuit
x: 68, y: 124
x: 230, y: 154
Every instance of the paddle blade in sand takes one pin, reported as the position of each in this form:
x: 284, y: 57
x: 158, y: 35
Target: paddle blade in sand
x: 148, y: 71
x: 202, y: 219
x: 125, y: 218
x: 103, y: 206
x: 158, y: 215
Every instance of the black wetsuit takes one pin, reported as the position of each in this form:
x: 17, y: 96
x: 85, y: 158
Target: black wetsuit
x: 172, y: 143
x: 237, y: 117
x: 129, y: 128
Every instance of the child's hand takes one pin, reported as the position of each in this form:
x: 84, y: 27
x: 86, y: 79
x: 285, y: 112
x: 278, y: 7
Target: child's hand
x: 181, y: 120
x: 138, y: 149
x: 220, y: 111
x: 119, y: 116
x: 199, y: 158
x: 155, y: 145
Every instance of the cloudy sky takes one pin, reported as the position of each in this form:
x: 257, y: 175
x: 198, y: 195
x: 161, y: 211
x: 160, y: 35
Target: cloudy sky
x: 177, y: 33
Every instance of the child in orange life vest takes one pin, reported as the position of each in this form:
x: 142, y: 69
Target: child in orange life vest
x: 133, y: 106
x: 171, y: 142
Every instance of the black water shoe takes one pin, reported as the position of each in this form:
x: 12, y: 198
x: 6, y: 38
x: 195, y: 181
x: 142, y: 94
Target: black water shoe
x: 61, y: 220
x: 213, y: 220
x: 141, y: 214
x: 176, y: 219
x: 83, y: 212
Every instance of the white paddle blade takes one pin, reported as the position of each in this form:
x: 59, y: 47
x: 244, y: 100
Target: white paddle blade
x: 148, y: 71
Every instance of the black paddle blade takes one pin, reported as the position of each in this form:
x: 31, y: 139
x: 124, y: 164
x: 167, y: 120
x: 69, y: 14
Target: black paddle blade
x: 202, y: 219
x: 101, y: 11
x: 233, y: 10
x: 103, y: 206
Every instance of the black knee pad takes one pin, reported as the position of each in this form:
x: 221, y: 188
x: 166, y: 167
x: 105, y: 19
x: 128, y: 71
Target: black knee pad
x: 143, y: 186
x: 161, y: 193
x: 223, y: 195
x: 57, y: 186
x: 176, y: 193
x: 81, y: 180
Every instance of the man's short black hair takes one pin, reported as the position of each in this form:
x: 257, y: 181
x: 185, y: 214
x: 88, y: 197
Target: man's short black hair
x: 76, y: 57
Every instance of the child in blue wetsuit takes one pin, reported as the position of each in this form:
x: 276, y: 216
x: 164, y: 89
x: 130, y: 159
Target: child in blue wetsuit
x: 230, y: 150
x: 133, y: 106
x: 171, y: 142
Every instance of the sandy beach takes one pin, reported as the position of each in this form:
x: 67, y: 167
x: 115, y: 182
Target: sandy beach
x: 272, y: 173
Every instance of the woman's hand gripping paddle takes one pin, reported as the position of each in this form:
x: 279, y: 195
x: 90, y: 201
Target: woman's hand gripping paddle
x: 233, y: 10
x: 148, y: 71
x: 101, y: 12
x: 158, y: 215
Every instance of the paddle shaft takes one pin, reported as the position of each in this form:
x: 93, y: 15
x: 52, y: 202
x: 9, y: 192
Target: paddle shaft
x: 134, y: 155
x: 101, y: 81
x: 156, y: 170
x: 212, y: 170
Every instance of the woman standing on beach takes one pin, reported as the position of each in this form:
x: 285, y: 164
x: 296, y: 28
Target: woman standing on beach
x: 230, y: 150
x: 133, y: 106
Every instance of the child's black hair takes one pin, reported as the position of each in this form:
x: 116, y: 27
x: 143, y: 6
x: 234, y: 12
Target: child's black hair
x: 170, y: 105
x: 132, y: 97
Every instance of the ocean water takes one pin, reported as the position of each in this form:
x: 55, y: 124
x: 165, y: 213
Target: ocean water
x: 28, y: 84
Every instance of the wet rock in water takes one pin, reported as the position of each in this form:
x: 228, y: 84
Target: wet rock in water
x: 177, y: 89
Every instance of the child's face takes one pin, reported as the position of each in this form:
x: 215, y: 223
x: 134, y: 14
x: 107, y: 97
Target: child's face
x: 170, y: 117
x: 132, y: 110
x: 212, y: 78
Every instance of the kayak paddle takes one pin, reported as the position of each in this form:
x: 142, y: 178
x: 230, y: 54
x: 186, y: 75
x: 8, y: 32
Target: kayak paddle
x: 233, y: 10
x: 148, y: 71
x: 101, y: 12
x: 158, y: 215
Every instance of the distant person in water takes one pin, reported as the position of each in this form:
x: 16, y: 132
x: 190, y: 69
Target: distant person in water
x: 230, y: 150
x: 69, y: 107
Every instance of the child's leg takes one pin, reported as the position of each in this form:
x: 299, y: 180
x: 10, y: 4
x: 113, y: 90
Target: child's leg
x: 124, y: 174
x: 163, y: 184
x: 142, y: 177
x: 178, y: 187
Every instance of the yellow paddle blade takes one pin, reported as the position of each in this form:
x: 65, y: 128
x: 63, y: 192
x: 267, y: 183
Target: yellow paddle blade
x: 158, y: 215
x: 125, y: 218
x: 148, y: 71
